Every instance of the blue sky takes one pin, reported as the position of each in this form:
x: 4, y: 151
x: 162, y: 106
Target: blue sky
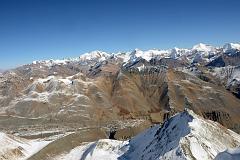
x: 44, y: 29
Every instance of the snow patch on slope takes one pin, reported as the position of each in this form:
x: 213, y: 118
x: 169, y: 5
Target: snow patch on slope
x: 13, y: 147
x: 229, y: 74
x: 104, y: 149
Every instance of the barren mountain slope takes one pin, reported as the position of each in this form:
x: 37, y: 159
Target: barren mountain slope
x: 209, y: 100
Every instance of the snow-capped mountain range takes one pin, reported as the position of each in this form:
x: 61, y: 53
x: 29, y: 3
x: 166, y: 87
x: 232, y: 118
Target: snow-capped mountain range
x: 199, y: 52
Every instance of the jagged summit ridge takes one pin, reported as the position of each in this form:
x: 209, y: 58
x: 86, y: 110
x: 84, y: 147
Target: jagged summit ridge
x: 183, y: 136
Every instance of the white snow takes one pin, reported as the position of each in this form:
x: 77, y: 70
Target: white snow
x: 51, y: 62
x: 65, y: 81
x: 92, y: 56
x: 203, y: 47
x: 43, y: 80
x: 140, y: 67
x: 197, y: 53
x: 101, y: 56
x: 202, y: 51
x: 104, y: 149
x: 184, y: 136
x: 9, y: 143
x: 229, y: 47
x: 230, y: 74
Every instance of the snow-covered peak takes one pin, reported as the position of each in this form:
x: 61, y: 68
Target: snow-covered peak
x: 230, y: 47
x: 203, y: 47
x: 183, y: 136
x: 94, y: 55
x: 147, y: 55
x: 131, y: 57
x: 178, y: 52
x: 53, y: 62
x: 200, y: 52
x: 136, y: 53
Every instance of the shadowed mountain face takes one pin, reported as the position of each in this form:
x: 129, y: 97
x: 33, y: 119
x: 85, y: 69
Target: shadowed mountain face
x: 126, y: 92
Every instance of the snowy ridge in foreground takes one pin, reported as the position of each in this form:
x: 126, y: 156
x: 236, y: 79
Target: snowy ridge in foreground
x: 184, y: 136
x: 12, y: 147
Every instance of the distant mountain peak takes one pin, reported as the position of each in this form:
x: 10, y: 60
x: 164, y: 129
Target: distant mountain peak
x: 199, y: 53
x: 230, y: 47
x: 94, y: 55
x: 203, y: 47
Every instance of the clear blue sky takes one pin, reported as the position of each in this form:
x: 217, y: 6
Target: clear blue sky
x: 43, y: 29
